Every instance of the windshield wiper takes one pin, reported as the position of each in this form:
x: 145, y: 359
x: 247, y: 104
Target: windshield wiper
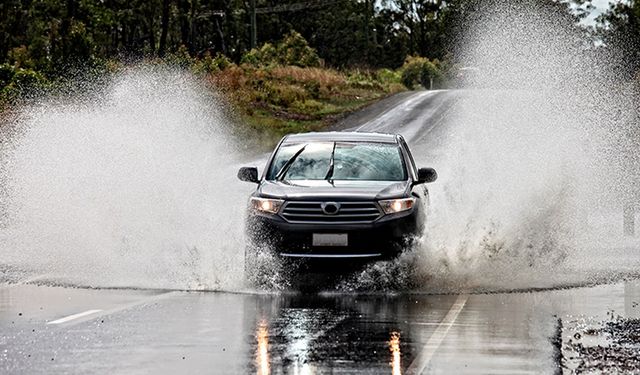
x: 331, y: 163
x: 285, y: 168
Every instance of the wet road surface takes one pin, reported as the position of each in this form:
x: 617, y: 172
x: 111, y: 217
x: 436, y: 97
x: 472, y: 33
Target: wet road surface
x: 134, y: 331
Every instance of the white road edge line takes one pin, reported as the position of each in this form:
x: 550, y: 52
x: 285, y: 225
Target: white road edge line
x: 423, y: 359
x: 140, y: 302
x: 74, y: 316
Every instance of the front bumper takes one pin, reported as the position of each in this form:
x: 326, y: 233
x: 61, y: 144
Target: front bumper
x: 383, y: 238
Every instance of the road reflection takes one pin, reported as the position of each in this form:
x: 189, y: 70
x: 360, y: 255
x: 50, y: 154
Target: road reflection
x: 262, y: 352
x: 394, y: 334
x: 315, y: 334
x: 396, y: 357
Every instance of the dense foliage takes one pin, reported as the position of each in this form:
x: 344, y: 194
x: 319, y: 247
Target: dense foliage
x: 619, y: 29
x: 350, y: 46
x: 49, y: 34
x: 53, y: 36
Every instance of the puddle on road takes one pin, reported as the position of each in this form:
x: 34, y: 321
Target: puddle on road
x: 597, y: 344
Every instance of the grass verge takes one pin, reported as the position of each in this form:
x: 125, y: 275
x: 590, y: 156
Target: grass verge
x: 287, y: 99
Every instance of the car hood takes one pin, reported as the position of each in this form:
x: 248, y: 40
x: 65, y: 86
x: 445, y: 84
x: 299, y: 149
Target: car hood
x: 321, y: 189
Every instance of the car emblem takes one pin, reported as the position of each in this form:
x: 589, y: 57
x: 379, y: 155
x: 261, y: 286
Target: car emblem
x: 330, y: 208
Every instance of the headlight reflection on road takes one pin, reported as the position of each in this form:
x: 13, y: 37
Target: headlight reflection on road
x: 262, y: 353
x: 396, y: 357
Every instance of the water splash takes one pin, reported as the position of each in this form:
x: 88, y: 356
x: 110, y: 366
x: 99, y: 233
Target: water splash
x: 129, y: 186
x: 132, y: 185
x: 534, y: 165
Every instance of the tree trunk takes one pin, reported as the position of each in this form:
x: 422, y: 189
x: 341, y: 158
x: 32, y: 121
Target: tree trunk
x: 254, y: 25
x: 412, y: 42
x: 184, y: 7
x: 164, y: 28
x: 65, y: 29
x: 423, y: 37
x: 152, y: 34
x: 221, y: 35
x: 192, y: 26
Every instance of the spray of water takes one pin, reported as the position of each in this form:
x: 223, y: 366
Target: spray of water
x: 132, y: 186
x: 127, y: 187
x: 533, y: 164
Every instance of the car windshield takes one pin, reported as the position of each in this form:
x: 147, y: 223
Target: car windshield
x: 351, y: 161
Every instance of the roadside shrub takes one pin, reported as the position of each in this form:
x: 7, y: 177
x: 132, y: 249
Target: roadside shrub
x: 113, y: 66
x: 388, y: 76
x: 28, y: 79
x: 288, y: 94
x: 325, y: 77
x: 264, y: 56
x: 419, y: 70
x: 429, y: 74
x: 208, y: 64
x: 180, y: 58
x: 6, y: 74
x: 308, y: 106
x: 250, y: 58
x: 281, y: 94
x: 395, y: 88
x: 21, y: 57
x: 222, y: 61
x: 363, y: 79
x: 295, y: 50
x: 411, y: 71
x: 24, y: 84
x: 313, y: 89
x: 229, y: 80
x: 390, y: 80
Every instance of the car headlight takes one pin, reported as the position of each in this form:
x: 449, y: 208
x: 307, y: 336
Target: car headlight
x: 393, y: 206
x: 271, y: 206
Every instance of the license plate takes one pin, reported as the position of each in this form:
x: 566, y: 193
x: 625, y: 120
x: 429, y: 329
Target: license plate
x: 330, y: 239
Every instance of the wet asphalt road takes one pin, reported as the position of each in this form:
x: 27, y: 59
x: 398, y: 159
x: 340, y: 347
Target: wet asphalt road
x: 56, y: 329
x: 137, y: 331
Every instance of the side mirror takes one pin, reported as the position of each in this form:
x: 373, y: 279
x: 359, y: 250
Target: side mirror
x: 249, y: 174
x: 426, y: 175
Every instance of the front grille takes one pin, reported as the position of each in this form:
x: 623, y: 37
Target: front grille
x: 349, y: 212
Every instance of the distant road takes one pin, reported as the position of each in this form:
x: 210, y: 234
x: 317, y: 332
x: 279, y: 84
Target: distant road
x: 412, y: 114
